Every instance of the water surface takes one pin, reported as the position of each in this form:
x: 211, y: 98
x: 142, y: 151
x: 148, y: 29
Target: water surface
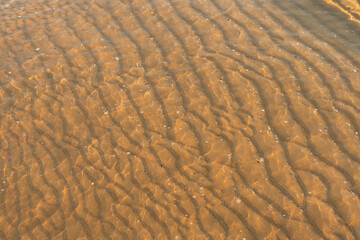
x: 169, y: 119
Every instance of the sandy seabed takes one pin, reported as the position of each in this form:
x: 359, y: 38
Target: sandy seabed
x: 179, y: 119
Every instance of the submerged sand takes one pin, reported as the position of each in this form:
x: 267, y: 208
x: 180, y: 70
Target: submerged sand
x: 169, y: 119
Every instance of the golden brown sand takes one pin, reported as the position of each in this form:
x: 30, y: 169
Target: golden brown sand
x: 179, y: 119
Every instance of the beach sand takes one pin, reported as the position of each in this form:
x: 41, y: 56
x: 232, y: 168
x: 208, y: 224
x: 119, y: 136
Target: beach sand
x: 169, y: 119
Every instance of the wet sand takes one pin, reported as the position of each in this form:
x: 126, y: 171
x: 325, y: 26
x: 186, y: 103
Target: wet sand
x: 169, y: 119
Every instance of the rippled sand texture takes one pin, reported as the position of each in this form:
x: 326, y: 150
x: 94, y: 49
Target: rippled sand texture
x: 180, y: 119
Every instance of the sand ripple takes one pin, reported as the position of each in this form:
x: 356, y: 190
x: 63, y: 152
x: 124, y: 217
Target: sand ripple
x: 169, y: 119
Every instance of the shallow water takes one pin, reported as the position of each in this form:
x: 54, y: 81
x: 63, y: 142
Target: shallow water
x: 169, y: 119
